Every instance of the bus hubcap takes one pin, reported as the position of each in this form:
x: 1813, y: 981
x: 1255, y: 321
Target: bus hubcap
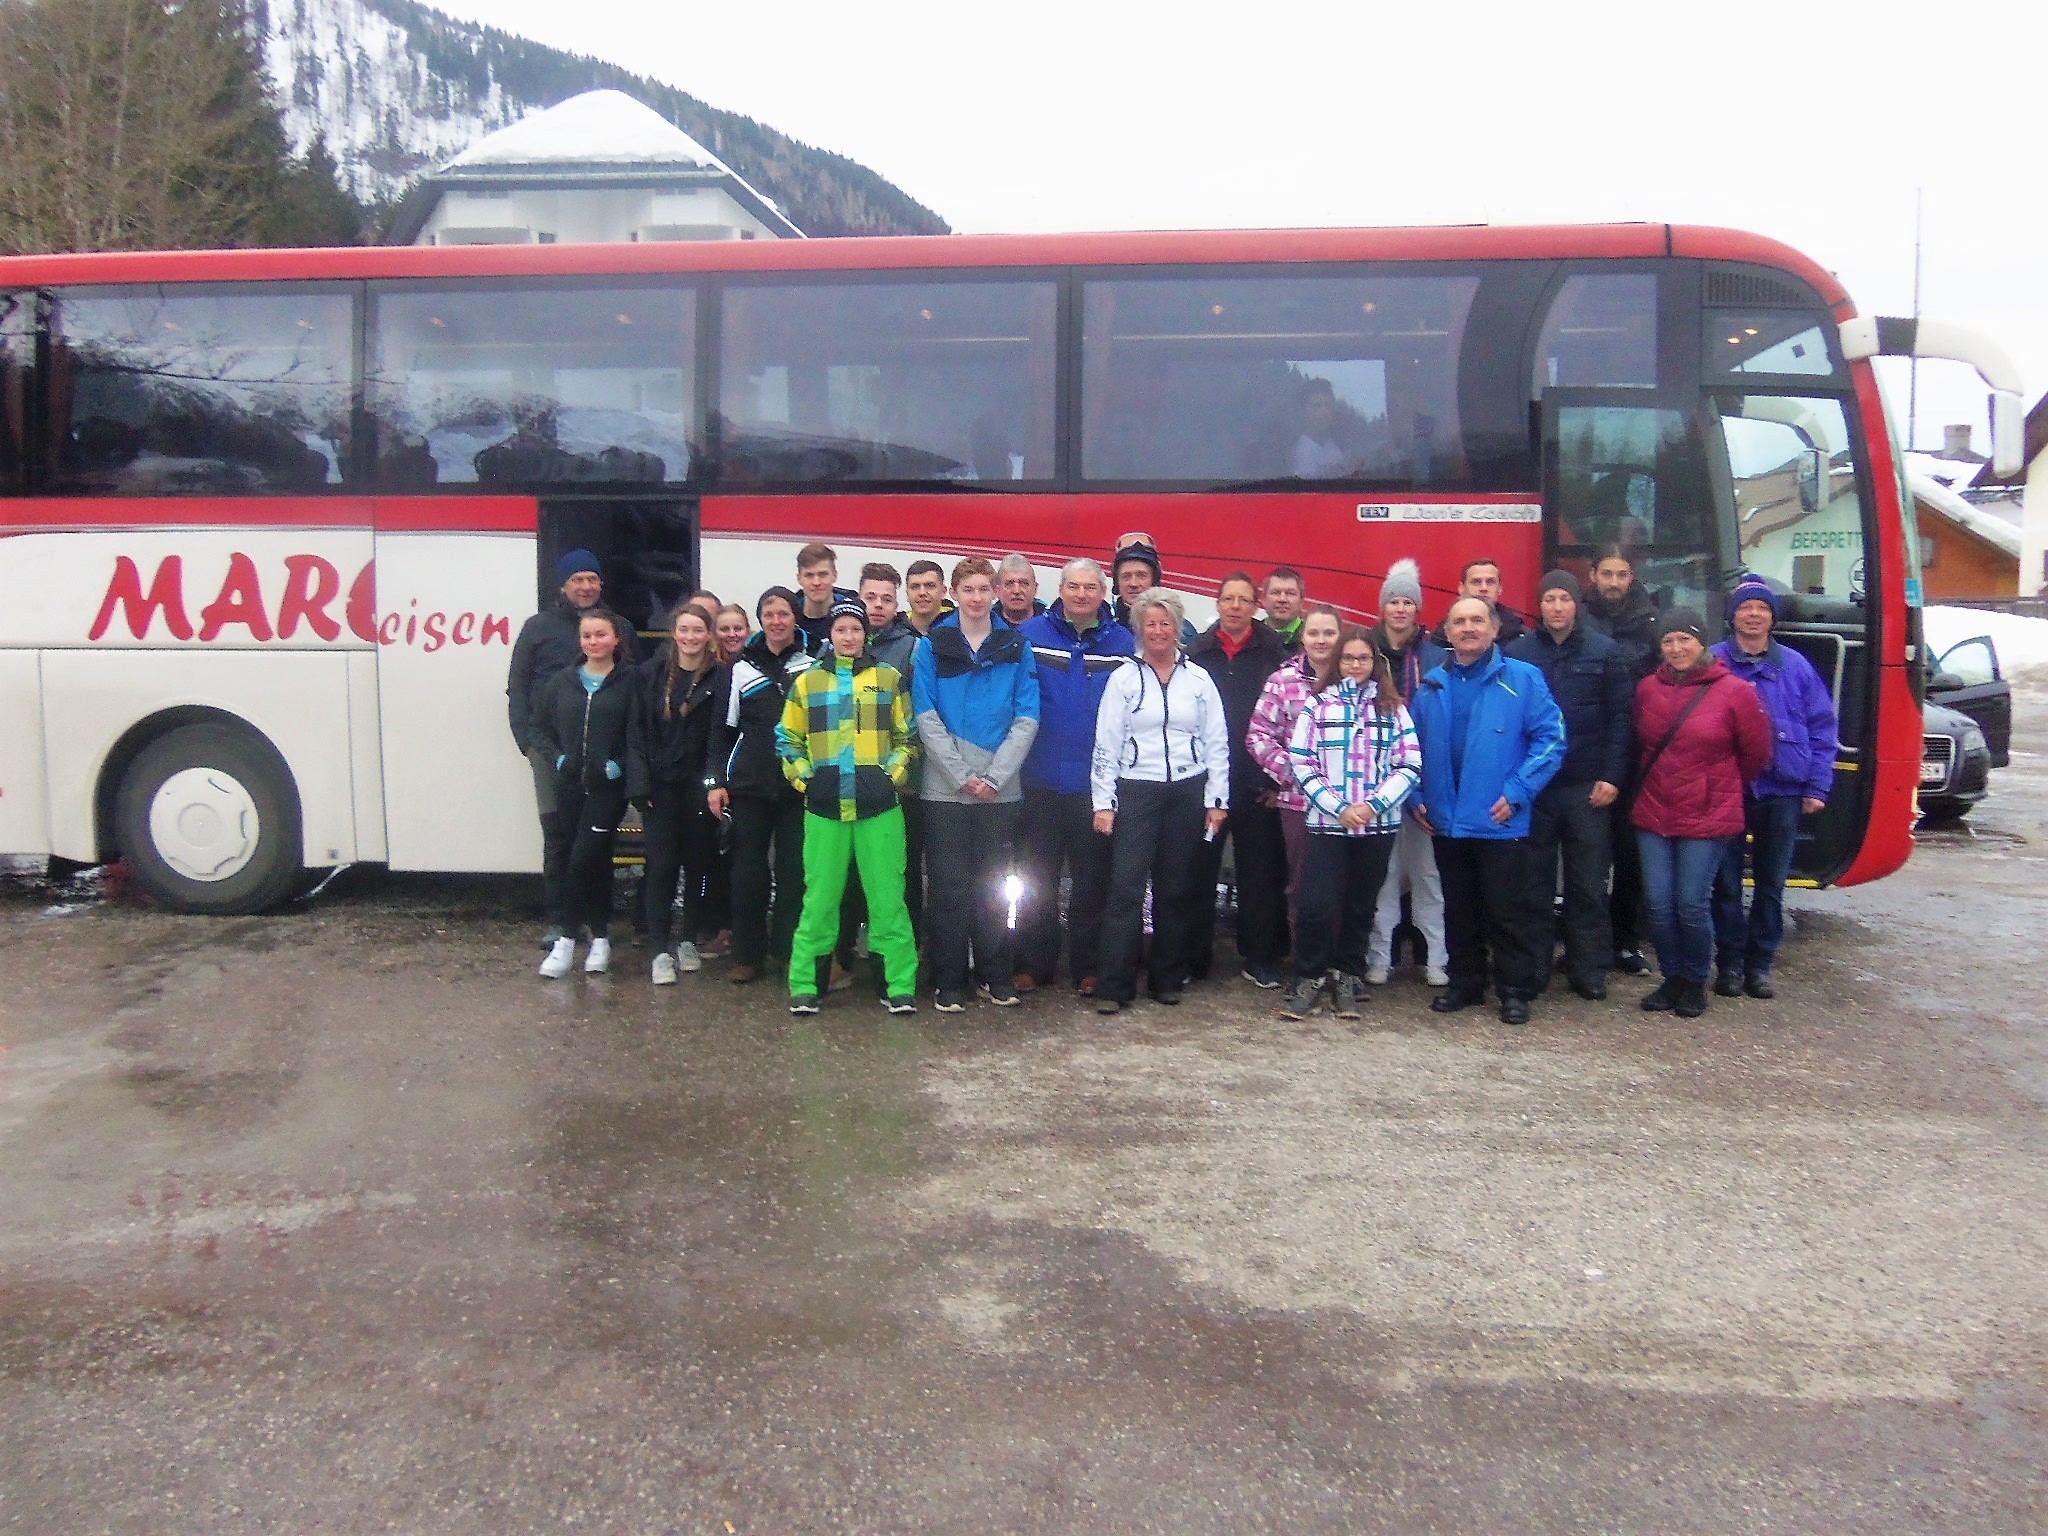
x: 204, y: 824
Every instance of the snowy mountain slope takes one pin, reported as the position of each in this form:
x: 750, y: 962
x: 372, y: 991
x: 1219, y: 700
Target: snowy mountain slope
x: 397, y: 89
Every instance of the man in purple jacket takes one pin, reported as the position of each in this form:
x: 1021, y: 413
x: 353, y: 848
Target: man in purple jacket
x: 1801, y: 774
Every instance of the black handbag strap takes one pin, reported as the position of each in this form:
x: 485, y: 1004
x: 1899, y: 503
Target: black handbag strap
x: 1698, y: 698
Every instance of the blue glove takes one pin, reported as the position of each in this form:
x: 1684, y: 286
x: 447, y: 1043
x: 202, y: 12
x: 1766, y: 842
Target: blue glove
x: 612, y: 770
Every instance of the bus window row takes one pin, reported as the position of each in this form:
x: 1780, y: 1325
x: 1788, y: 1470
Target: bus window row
x: 1379, y: 378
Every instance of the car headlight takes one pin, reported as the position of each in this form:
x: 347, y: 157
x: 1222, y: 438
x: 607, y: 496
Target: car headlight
x: 1973, y: 740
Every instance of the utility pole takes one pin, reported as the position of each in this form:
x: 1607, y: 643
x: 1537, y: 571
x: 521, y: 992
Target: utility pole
x: 1913, y: 386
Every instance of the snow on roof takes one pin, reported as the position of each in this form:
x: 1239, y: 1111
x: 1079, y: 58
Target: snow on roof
x: 596, y: 128
x: 1994, y: 530
x: 1954, y: 473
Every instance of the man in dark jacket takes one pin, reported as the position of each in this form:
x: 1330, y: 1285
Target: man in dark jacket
x: 1134, y: 567
x: 1481, y: 579
x: 1240, y: 653
x: 1619, y: 607
x: 1077, y: 645
x: 817, y: 578
x: 892, y: 638
x: 547, y: 643
x: 1575, y: 812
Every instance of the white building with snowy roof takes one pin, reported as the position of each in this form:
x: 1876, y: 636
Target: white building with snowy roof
x: 600, y: 168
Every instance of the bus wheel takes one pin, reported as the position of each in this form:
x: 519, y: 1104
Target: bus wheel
x: 208, y: 821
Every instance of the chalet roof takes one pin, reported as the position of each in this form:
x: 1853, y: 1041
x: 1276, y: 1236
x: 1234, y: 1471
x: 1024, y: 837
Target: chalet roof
x: 1975, y: 521
x: 597, y: 139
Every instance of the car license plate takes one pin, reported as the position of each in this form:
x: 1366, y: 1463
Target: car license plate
x: 1933, y: 773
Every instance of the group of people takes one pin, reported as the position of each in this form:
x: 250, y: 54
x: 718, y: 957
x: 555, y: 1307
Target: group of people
x: 942, y: 757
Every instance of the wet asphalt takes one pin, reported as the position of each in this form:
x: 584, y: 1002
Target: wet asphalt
x: 341, y: 1220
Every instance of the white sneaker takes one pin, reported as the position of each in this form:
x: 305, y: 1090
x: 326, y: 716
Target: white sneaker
x: 599, y: 960
x: 1436, y: 976
x: 1376, y: 975
x: 559, y: 959
x: 664, y: 969
x: 687, y: 958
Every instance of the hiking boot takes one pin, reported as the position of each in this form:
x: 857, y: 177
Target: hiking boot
x: 1085, y: 987
x: 1344, y: 995
x: 1691, y: 1001
x: 803, y: 1004
x: 1261, y: 975
x: 1514, y: 1009
x: 900, y: 1004
x: 687, y: 957
x: 949, y: 1001
x: 1592, y: 988
x: 664, y: 969
x: 1452, y: 999
x: 1728, y: 982
x: 1665, y: 998
x: 1001, y: 993
x: 1167, y: 997
x: 599, y: 959
x: 1024, y: 982
x: 1302, y: 997
x: 560, y: 958
x: 1758, y: 984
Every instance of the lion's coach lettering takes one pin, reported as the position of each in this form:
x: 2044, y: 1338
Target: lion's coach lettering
x: 306, y: 599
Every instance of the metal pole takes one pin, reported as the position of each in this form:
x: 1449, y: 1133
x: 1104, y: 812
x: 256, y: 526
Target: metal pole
x: 1913, y: 386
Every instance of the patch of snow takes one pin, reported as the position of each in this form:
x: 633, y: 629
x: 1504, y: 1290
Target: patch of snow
x: 1991, y: 529
x: 598, y: 127
x: 2022, y: 642
x: 1956, y: 474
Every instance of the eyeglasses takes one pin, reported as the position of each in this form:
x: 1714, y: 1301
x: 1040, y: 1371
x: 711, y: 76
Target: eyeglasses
x: 1349, y: 659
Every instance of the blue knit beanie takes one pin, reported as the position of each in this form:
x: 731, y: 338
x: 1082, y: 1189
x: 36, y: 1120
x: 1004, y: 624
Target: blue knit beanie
x: 1752, y: 587
x: 575, y: 563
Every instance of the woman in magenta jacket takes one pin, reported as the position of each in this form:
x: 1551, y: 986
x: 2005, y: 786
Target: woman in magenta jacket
x: 1701, y: 734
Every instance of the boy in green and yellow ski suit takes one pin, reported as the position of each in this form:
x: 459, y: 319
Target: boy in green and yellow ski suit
x: 846, y: 741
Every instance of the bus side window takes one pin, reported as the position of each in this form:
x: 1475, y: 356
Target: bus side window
x: 17, y: 349
x: 239, y: 389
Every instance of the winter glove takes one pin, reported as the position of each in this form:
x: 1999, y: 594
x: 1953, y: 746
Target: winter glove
x: 561, y: 758
x: 612, y: 770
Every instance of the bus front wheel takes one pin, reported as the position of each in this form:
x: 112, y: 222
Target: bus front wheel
x: 208, y: 821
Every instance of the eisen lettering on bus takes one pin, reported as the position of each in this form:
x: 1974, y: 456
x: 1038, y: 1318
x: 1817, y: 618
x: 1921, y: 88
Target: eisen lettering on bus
x: 310, y: 589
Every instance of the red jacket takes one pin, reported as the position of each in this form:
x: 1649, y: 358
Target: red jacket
x: 1695, y: 789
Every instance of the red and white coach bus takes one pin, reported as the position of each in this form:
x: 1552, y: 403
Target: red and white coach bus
x: 273, y: 518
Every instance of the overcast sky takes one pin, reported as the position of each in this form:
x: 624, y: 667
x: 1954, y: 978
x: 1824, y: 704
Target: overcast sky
x: 1812, y: 123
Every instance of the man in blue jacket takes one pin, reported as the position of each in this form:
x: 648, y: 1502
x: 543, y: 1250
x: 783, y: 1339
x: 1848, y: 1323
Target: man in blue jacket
x: 1798, y: 782
x: 1492, y: 738
x: 974, y: 688
x: 1076, y: 646
x: 1589, y: 677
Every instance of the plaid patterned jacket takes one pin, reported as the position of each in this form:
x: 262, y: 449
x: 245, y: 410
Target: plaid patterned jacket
x: 1346, y: 752
x: 846, y: 739
x: 1287, y: 694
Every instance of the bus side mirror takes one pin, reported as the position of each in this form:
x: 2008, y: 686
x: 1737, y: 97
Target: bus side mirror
x: 2008, y: 433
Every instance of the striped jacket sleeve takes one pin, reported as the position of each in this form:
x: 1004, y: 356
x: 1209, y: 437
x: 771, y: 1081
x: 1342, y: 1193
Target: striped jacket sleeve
x: 1306, y: 763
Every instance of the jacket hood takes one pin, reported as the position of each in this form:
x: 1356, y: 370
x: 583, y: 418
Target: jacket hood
x: 1712, y: 668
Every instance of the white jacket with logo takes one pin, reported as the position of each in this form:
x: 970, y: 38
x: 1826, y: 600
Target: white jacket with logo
x: 1162, y: 735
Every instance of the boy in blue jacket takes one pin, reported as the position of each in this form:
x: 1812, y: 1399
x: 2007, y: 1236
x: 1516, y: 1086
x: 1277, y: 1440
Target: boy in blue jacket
x: 1492, y: 737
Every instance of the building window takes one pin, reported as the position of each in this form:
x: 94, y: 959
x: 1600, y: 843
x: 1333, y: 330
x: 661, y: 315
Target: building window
x: 1928, y: 550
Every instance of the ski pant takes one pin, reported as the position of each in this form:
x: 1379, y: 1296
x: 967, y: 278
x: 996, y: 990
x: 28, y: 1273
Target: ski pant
x: 1158, y: 837
x: 1413, y: 864
x: 1497, y: 907
x: 966, y: 855
x: 873, y: 844
x: 760, y: 827
x: 1061, y: 834
x: 1341, y: 880
x: 1565, y: 821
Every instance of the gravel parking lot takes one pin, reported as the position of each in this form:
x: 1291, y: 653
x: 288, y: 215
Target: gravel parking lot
x: 342, y: 1220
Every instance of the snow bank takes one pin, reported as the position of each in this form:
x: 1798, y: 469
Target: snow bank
x: 2022, y: 642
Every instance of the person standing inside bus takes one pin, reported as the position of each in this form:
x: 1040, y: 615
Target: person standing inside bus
x: 1481, y: 579
x: 580, y: 722
x: 975, y: 694
x: 1160, y: 781
x: 1017, y: 591
x: 1076, y: 646
x: 674, y: 699
x: 1239, y: 654
x: 1619, y: 607
x: 1411, y: 656
x: 1282, y: 599
x: 1355, y: 757
x: 1575, y: 813
x: 1701, y: 735
x: 1271, y: 736
x: 744, y: 764
x: 549, y: 642
x: 817, y: 577
x: 846, y: 743
x: 1797, y: 781
x: 1492, y: 737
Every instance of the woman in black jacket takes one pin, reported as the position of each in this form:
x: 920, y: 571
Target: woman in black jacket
x: 675, y: 695
x: 745, y: 771
x: 580, y: 721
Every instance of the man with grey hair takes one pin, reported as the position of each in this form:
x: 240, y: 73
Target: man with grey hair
x: 1077, y: 645
x: 1017, y: 591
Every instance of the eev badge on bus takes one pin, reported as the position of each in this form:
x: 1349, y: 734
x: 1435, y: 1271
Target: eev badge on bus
x: 1449, y: 512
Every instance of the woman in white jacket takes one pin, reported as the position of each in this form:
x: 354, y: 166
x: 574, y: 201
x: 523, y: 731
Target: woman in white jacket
x: 1161, y: 783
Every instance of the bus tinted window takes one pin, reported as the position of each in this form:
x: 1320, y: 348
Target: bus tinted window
x: 1768, y: 341
x: 194, y: 392
x: 950, y: 380
x: 1637, y: 476
x: 1601, y: 330
x: 1221, y: 379
x: 534, y: 384
x: 17, y: 336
